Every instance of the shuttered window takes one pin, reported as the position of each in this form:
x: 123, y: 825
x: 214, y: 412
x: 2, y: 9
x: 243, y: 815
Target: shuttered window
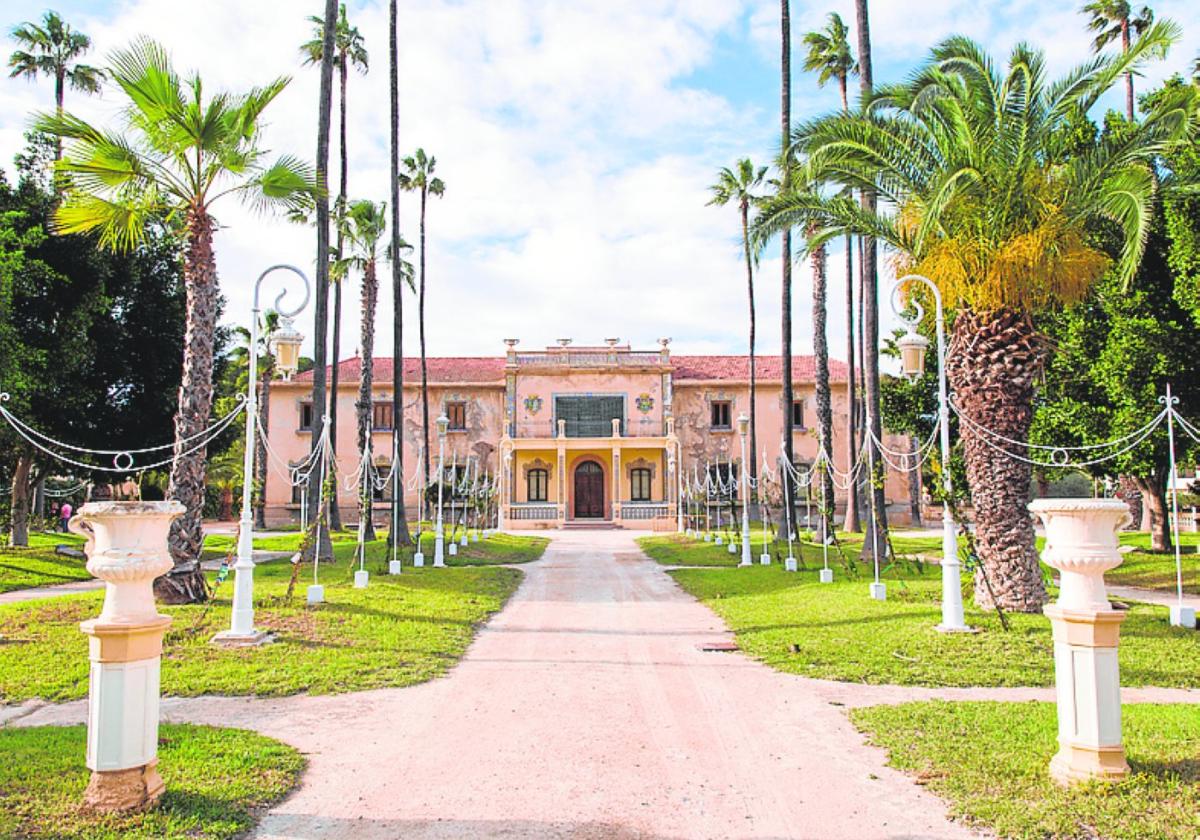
x: 590, y: 416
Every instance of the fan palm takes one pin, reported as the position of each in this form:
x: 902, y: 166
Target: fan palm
x: 963, y: 154
x: 830, y: 57
x: 1112, y: 20
x: 363, y: 228
x: 418, y: 177
x: 348, y: 50
x: 180, y: 151
x: 398, y: 532
x: 49, y: 49
x: 739, y: 186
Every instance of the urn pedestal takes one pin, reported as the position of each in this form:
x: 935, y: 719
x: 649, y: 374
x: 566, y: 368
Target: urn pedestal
x: 127, y: 549
x: 1081, y: 543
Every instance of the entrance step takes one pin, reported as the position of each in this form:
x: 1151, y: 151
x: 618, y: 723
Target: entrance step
x: 598, y: 525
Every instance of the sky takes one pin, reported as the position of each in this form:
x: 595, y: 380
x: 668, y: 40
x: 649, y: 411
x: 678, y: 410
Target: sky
x: 577, y: 140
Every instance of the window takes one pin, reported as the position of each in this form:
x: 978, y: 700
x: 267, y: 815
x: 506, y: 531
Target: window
x: 381, y: 417
x: 720, y: 415
x: 456, y: 412
x: 538, y: 482
x: 798, y: 414
x: 590, y: 416
x: 306, y: 417
x: 639, y: 484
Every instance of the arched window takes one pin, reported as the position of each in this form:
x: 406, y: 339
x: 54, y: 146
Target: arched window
x: 639, y: 484
x: 537, y: 483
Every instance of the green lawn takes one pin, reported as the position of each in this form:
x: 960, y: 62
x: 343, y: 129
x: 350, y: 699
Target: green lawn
x: 218, y: 780
x: 989, y: 760
x: 38, y: 565
x: 399, y: 631
x: 835, y: 631
x: 496, y: 549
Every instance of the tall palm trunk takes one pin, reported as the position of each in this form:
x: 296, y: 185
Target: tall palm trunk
x: 184, y: 583
x: 335, y: 515
x: 59, y: 84
x: 370, y: 295
x: 992, y: 365
x: 851, y: 520
x: 321, y: 308
x: 877, y: 519
x: 785, y: 115
x: 424, y: 366
x: 824, y: 407
x: 399, y: 524
x: 20, y: 500
x: 914, y: 482
x: 260, y: 446
x: 1128, y: 76
x: 753, y: 374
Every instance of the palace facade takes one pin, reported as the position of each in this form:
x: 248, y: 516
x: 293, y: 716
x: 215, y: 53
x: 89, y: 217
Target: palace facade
x: 575, y: 434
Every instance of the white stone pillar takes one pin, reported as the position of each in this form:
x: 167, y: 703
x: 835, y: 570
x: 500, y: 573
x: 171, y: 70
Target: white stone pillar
x: 127, y: 549
x: 1081, y: 543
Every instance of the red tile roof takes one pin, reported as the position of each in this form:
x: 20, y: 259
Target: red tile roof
x: 766, y: 368
x: 478, y: 369
x: 490, y: 369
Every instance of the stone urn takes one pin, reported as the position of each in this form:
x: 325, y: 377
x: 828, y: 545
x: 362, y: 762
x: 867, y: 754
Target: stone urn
x: 1081, y: 543
x: 127, y: 549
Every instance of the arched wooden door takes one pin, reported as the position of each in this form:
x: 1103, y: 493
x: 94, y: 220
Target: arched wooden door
x: 589, y: 491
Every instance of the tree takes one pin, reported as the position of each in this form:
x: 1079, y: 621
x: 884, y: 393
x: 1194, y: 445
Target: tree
x: 830, y: 57
x: 964, y: 155
x: 49, y: 50
x: 180, y: 152
x: 869, y: 325
x: 738, y: 186
x: 398, y: 530
x: 348, y: 50
x: 785, y: 353
x: 418, y: 177
x: 364, y: 227
x: 1112, y: 19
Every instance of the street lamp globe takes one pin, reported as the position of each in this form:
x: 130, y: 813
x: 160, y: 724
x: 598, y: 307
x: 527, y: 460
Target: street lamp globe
x: 284, y: 344
x: 743, y: 424
x: 912, y: 346
x: 443, y: 424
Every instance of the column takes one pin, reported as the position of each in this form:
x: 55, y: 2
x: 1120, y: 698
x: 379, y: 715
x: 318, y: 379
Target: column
x: 1081, y: 543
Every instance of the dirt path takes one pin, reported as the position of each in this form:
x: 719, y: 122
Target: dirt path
x: 584, y: 710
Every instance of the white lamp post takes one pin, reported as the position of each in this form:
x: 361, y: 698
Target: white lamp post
x: 912, y: 360
x: 285, y: 344
x: 743, y: 427
x: 439, y: 537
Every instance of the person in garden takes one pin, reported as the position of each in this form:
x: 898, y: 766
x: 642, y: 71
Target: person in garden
x: 64, y: 515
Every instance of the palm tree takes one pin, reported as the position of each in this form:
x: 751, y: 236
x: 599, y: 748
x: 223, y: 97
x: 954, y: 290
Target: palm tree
x: 829, y: 55
x: 1112, y: 19
x: 399, y: 524
x: 418, y: 177
x: 363, y: 229
x: 964, y: 153
x: 179, y: 152
x: 240, y: 356
x: 738, y: 185
x: 785, y: 327
x: 348, y: 49
x: 868, y: 262
x: 49, y: 50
